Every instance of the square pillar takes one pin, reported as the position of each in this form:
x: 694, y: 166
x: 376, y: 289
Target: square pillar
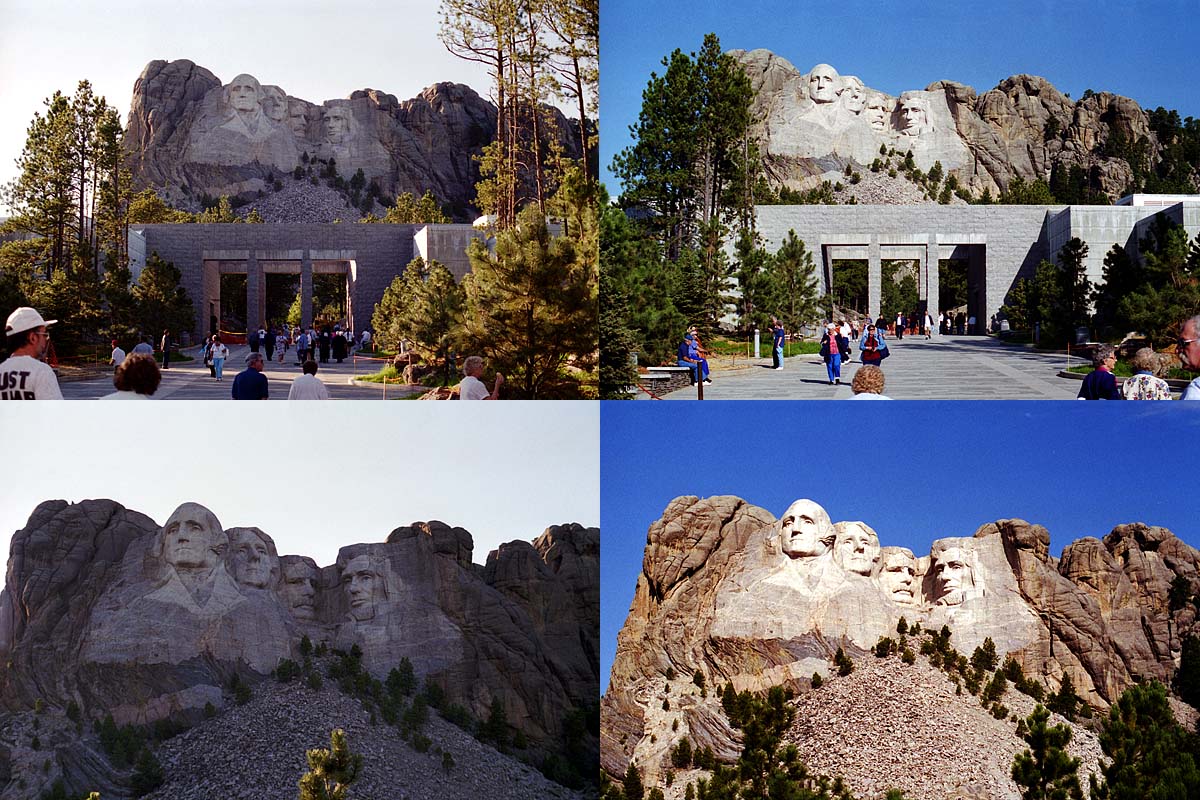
x: 255, y: 296
x: 306, y: 289
x: 874, y: 278
x: 931, y: 279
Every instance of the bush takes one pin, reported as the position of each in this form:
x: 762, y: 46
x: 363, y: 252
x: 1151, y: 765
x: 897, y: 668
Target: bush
x: 908, y: 657
x: 421, y: 743
x: 884, y: 647
x: 844, y: 663
x: 287, y: 671
x: 147, y: 774
x: 447, y: 761
x: 314, y: 681
x: 817, y: 680
x: 681, y: 754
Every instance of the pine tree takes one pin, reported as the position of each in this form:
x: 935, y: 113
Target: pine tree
x: 147, y: 774
x: 495, y: 727
x: 531, y: 307
x: 1150, y: 755
x: 161, y: 302
x: 632, y: 785
x: 410, y: 210
x: 330, y: 771
x: 618, y: 343
x: 795, y: 282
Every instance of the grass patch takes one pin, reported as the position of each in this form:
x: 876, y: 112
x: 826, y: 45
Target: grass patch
x: 734, y: 347
x: 388, y: 374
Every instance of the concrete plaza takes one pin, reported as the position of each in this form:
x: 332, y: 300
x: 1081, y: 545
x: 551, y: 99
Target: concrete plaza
x: 942, y: 368
x: 190, y: 380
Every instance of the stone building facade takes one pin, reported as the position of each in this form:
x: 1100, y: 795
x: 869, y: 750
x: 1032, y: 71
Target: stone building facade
x: 369, y: 256
x: 999, y: 243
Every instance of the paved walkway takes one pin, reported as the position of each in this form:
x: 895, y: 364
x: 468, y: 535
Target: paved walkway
x: 943, y: 368
x: 190, y: 380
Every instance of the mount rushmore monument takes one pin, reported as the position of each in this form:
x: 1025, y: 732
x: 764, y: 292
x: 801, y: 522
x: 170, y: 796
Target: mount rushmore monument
x: 105, y: 609
x: 728, y: 590
x: 191, y: 135
x: 810, y: 126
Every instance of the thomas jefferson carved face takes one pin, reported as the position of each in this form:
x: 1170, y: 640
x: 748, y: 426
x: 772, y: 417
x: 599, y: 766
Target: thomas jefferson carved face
x: 245, y: 93
x: 192, y: 538
x: 300, y: 589
x: 953, y: 576
x: 854, y: 94
x: 856, y: 548
x: 897, y: 576
x: 253, y: 562
x: 364, y: 587
x: 275, y: 103
x: 823, y: 84
x: 914, y: 116
x: 337, y: 124
x: 805, y: 530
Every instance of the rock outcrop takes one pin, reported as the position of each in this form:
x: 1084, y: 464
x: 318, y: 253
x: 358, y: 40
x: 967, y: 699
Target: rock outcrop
x: 189, y: 136
x: 106, y: 610
x: 812, y: 125
x: 731, y: 593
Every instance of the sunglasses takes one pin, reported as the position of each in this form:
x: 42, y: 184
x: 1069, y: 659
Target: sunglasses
x: 1183, y: 343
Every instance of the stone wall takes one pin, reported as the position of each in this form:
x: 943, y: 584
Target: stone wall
x: 372, y: 256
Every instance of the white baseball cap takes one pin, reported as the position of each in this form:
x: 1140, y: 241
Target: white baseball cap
x: 25, y: 319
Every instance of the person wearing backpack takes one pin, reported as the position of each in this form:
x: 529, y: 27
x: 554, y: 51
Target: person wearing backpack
x: 872, y: 349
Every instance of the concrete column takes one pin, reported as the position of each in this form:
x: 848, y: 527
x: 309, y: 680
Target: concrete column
x: 826, y: 267
x: 874, y: 277
x: 255, y: 296
x: 306, y: 288
x: 931, y: 278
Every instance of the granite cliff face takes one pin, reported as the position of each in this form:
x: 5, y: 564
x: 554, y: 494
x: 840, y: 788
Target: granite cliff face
x: 189, y: 135
x: 729, y: 591
x: 105, y: 609
x: 812, y: 125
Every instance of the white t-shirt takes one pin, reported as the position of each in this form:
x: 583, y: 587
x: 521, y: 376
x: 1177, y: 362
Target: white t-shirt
x: 472, y: 388
x: 1191, y: 392
x: 26, y: 378
x: 118, y: 355
x: 308, y: 387
x: 869, y: 396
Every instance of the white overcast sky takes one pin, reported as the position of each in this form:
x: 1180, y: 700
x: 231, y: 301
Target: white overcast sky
x: 314, y: 49
x: 313, y: 476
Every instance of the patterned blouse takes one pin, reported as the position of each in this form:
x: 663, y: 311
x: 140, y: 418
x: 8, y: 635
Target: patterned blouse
x: 1144, y: 386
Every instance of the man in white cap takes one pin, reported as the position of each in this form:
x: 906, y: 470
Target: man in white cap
x: 25, y: 374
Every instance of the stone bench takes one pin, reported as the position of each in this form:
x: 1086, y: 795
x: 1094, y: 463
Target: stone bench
x: 663, y: 380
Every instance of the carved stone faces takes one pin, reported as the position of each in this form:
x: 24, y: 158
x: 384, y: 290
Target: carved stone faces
x: 913, y: 115
x: 253, y: 561
x: 365, y: 587
x: 297, y: 118
x: 823, y: 84
x: 898, y: 574
x: 300, y: 588
x: 192, y: 538
x: 275, y: 103
x: 244, y: 93
x: 856, y: 548
x: 953, y: 576
x: 854, y: 94
x: 336, y: 124
x: 805, y: 530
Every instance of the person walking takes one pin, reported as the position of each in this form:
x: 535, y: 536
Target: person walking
x: 777, y: 339
x: 339, y: 347
x: 900, y: 326
x: 324, y: 346
x: 118, y: 355
x: 832, y: 350
x: 928, y: 325
x: 165, y: 346
x: 872, y: 348
x: 25, y: 375
x: 308, y: 386
x: 281, y: 343
x: 847, y: 334
x: 250, y: 383
x: 219, y: 353
x: 269, y: 342
x: 206, y: 354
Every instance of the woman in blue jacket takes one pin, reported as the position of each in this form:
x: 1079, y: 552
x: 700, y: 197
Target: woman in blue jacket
x: 872, y: 347
x: 834, y: 347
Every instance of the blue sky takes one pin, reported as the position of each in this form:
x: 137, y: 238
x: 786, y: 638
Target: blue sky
x: 1144, y: 49
x: 312, y: 477
x: 913, y: 471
